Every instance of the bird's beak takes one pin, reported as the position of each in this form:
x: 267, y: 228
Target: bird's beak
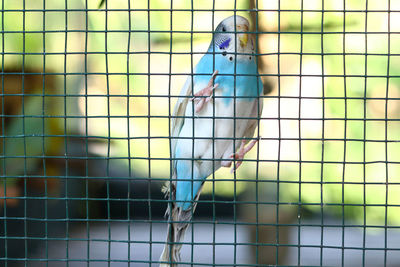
x: 243, y: 38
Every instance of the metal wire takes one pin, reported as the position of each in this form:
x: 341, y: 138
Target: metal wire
x: 84, y: 134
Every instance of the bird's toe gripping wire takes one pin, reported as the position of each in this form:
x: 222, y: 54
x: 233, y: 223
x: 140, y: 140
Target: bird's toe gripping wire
x: 239, y: 155
x: 205, y: 95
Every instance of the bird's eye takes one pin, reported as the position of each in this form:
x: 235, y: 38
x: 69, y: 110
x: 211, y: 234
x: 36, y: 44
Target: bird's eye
x: 223, y: 29
x: 224, y: 53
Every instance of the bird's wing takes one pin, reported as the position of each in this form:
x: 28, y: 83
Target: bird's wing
x: 177, y: 120
x: 178, y: 114
x: 176, y: 231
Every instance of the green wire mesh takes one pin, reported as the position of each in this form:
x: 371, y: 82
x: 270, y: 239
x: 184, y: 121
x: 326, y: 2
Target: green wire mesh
x: 87, y: 92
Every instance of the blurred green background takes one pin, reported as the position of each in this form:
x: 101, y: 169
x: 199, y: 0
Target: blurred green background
x: 330, y: 126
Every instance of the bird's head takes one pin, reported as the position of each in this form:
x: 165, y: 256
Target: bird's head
x: 232, y: 37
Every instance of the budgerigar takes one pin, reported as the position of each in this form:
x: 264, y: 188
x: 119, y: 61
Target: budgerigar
x: 212, y: 123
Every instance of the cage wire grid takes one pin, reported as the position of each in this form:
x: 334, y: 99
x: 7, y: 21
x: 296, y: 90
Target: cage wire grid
x: 65, y: 195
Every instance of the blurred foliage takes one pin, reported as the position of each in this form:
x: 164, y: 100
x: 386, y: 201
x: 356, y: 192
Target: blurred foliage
x: 348, y: 127
x: 344, y: 158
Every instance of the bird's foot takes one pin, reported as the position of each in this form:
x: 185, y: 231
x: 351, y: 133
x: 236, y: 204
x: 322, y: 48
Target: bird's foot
x: 205, y: 95
x: 239, y: 155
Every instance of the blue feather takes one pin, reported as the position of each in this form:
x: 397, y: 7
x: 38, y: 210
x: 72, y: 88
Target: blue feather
x: 240, y: 81
x: 188, y: 184
x: 186, y: 189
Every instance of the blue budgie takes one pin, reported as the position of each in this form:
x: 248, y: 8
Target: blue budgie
x: 212, y: 123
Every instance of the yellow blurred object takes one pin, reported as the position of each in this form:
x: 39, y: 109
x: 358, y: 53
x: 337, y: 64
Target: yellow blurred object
x: 27, y: 129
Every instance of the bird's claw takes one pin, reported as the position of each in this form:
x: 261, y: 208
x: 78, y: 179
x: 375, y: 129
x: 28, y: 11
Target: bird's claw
x: 207, y: 91
x: 239, y: 155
